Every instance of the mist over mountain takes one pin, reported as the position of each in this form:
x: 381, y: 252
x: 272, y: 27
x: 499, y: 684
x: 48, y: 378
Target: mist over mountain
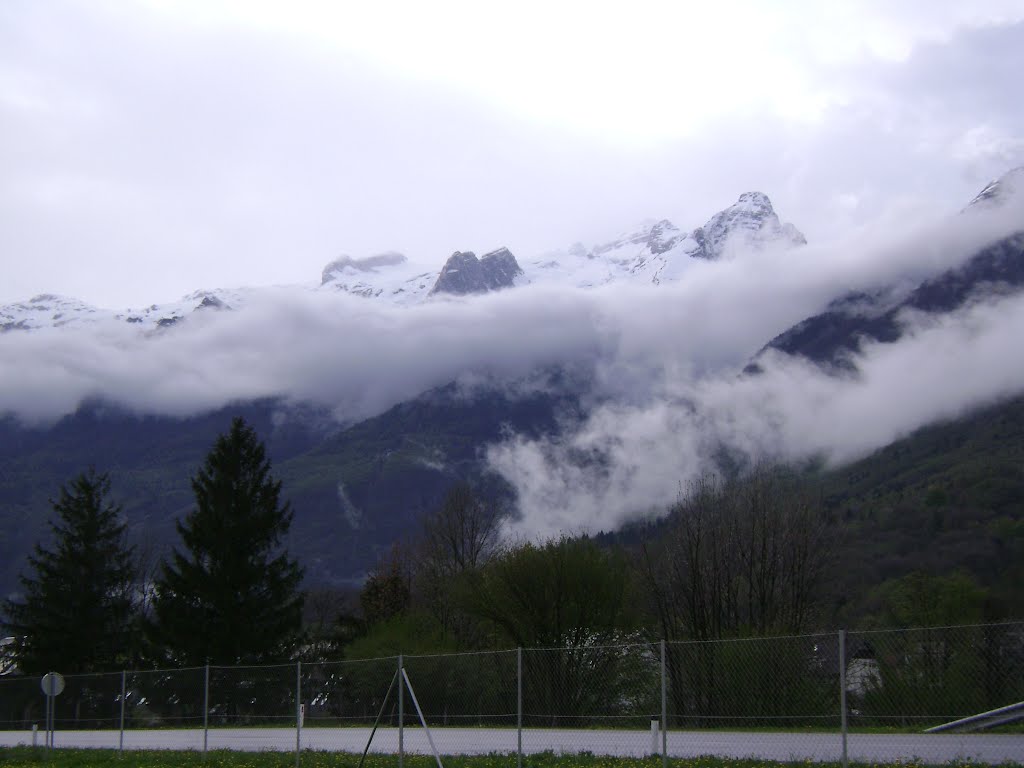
x: 584, y: 388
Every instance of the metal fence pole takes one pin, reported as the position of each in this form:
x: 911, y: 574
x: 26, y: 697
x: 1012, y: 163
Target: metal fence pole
x: 49, y: 718
x: 206, y: 708
x: 401, y: 713
x: 298, y: 712
x: 664, y: 709
x: 120, y: 745
x: 519, y: 707
x: 842, y: 691
x: 53, y: 712
x: 423, y: 720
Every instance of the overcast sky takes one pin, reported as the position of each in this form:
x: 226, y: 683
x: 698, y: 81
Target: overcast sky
x: 149, y: 149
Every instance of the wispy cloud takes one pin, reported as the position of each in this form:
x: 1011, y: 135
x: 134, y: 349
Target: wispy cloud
x: 628, y: 460
x: 664, y: 363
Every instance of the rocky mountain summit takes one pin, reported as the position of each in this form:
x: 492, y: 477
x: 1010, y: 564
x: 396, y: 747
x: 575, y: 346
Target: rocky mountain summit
x: 46, y: 309
x: 464, y: 273
x: 49, y: 310
x: 833, y: 338
x: 657, y: 251
x: 751, y: 220
x: 654, y: 252
x: 1000, y: 191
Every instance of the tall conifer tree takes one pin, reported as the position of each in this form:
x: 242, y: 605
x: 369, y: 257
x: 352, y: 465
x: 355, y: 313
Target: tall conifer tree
x: 76, y: 613
x: 230, y: 595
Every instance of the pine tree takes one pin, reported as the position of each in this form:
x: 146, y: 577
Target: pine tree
x: 230, y: 596
x: 76, y: 613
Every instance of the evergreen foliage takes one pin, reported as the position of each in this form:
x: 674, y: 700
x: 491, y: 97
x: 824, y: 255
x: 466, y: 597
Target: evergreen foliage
x: 230, y: 595
x: 76, y: 613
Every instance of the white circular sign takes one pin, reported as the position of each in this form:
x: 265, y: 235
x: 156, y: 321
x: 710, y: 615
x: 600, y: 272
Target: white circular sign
x: 52, y: 683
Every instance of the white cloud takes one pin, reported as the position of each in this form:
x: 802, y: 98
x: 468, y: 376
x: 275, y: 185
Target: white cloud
x: 629, y: 460
x: 662, y: 361
x: 152, y: 149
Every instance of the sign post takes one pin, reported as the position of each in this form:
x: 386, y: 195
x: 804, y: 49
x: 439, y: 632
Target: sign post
x: 52, y: 685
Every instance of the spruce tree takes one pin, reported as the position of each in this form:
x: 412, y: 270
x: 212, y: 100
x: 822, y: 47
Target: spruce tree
x: 76, y: 613
x: 230, y: 595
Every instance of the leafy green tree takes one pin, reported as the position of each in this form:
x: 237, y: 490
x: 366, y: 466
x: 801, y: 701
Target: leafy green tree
x: 572, y: 602
x: 567, y: 592
x: 231, y: 595
x: 934, y: 670
x: 76, y: 613
x: 386, y: 592
x: 922, y: 600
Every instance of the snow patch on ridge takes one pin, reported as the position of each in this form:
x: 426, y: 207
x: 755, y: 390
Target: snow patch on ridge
x: 655, y: 251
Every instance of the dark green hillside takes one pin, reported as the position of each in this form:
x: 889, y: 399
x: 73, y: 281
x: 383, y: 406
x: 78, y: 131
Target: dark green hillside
x: 946, y: 501
x: 850, y: 321
x: 948, y: 497
x: 367, y: 487
x: 354, y: 491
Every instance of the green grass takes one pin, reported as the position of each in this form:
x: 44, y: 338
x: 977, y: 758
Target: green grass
x: 14, y: 757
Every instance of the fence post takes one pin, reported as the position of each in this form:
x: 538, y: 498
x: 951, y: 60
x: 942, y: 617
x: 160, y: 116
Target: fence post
x: 53, y: 712
x: 50, y: 717
x: 298, y: 712
x: 401, y: 713
x: 206, y: 707
x: 120, y: 743
x: 842, y: 691
x: 664, y: 709
x: 519, y: 707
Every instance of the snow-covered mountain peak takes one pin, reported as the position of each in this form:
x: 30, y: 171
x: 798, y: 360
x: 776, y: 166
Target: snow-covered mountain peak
x: 655, y: 235
x: 346, y: 266
x: 464, y: 273
x: 1001, y: 190
x: 654, y: 251
x: 389, y: 275
x: 751, y: 221
x: 756, y: 202
x: 44, y: 310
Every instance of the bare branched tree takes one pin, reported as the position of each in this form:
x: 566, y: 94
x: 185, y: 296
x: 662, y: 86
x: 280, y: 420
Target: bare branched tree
x: 459, y: 537
x: 740, y: 557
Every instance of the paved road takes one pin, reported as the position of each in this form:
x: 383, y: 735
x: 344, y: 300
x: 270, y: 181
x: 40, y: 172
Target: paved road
x: 931, y: 748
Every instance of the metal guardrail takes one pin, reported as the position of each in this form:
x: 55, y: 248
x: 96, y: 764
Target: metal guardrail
x: 991, y: 719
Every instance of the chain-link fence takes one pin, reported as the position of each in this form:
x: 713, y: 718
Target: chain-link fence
x: 938, y: 695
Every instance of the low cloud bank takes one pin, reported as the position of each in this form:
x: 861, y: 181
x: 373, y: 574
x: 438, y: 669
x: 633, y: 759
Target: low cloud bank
x: 637, y: 458
x: 664, y: 359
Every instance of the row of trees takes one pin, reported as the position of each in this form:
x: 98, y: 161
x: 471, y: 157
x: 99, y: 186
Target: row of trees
x: 744, y: 559
x: 228, y: 594
x: 738, y: 558
x: 733, y: 558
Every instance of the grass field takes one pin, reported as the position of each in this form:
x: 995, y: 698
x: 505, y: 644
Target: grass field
x: 14, y: 757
